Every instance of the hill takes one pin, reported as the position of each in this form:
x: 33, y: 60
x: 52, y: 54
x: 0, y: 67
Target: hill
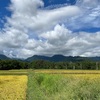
x: 56, y: 58
x: 3, y: 57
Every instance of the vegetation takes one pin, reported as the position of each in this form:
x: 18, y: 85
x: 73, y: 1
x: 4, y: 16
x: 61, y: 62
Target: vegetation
x: 14, y: 72
x: 43, y: 86
x: 50, y: 84
x: 62, y: 71
x: 13, y: 87
x: 42, y: 64
x: 12, y: 64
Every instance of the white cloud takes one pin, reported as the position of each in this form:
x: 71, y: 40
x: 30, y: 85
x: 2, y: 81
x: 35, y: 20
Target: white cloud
x: 65, y: 42
x: 13, y: 38
x: 29, y: 7
x: 33, y: 29
x: 25, y: 17
x: 58, y: 36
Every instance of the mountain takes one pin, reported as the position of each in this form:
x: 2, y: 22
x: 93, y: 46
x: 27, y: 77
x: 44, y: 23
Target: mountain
x: 56, y: 58
x: 94, y: 58
x: 3, y: 57
x: 37, y: 57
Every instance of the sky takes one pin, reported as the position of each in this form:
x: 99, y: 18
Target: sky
x: 49, y: 27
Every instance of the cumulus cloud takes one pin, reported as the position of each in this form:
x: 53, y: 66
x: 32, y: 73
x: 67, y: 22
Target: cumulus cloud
x: 60, y: 40
x: 25, y: 6
x: 27, y: 15
x: 32, y: 29
x: 69, y: 43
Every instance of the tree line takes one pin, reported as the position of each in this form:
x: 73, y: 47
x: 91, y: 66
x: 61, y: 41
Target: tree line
x: 42, y: 64
x: 13, y: 64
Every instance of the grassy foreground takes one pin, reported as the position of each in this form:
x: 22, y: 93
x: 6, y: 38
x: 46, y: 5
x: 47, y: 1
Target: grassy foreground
x: 49, y: 85
x: 43, y: 86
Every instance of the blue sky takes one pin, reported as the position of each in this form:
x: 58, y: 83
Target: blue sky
x: 47, y: 3
x: 55, y: 2
x: 5, y: 12
x: 48, y: 27
x: 5, y: 3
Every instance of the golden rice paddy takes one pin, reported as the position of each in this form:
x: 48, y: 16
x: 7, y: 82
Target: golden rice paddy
x: 51, y: 71
x: 13, y: 87
x: 13, y: 84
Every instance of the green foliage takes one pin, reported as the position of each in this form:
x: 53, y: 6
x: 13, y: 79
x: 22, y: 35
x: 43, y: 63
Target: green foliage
x: 59, y: 87
x: 12, y: 64
x: 42, y: 86
x: 41, y: 64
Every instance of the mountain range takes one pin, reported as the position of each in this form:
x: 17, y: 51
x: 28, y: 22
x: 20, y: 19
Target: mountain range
x: 59, y: 58
x: 55, y: 58
x: 3, y: 57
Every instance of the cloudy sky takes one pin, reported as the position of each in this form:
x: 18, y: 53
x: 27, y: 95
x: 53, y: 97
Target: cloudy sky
x: 48, y: 27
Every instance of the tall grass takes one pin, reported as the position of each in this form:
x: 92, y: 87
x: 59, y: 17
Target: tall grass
x: 63, y: 87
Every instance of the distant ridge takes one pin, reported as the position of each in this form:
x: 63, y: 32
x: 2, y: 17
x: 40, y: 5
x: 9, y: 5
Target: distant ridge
x: 56, y: 58
x: 3, y: 57
x: 59, y: 58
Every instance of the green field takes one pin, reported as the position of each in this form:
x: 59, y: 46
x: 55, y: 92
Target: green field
x: 56, y: 84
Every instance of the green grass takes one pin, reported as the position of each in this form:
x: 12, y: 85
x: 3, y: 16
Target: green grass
x: 62, y: 87
x: 43, y: 87
x: 60, y: 84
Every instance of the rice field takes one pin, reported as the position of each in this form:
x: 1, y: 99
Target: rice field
x: 13, y: 72
x: 51, y: 71
x: 50, y: 85
x: 13, y: 87
x: 64, y: 86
